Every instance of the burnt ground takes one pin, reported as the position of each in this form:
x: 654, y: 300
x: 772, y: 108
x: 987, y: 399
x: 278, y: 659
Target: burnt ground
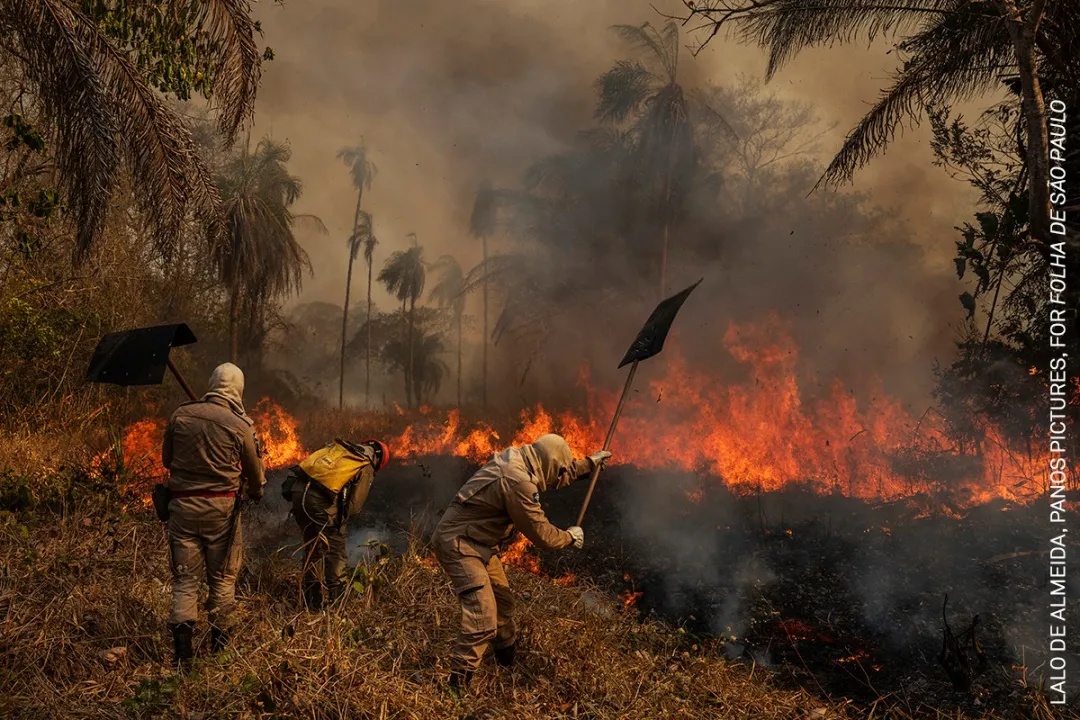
x: 838, y: 596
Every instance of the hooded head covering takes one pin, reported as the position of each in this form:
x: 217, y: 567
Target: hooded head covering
x: 227, y: 383
x: 553, y: 457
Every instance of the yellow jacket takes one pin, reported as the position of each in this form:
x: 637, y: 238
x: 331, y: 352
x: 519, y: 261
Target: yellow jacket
x: 335, y: 465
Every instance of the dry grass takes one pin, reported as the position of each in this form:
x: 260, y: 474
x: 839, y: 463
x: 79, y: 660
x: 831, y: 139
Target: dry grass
x: 83, y: 600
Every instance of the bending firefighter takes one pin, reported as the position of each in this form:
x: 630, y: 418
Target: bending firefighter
x: 326, y: 489
x: 212, y: 454
x: 501, y: 496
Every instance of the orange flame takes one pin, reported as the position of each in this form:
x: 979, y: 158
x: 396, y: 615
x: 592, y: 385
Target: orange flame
x: 521, y: 554
x: 277, y: 432
x: 759, y: 434
x: 566, y: 580
x: 629, y: 596
x: 142, y: 440
x: 141, y: 447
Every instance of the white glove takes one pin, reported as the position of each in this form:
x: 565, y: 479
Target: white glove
x: 599, y: 458
x: 579, y: 536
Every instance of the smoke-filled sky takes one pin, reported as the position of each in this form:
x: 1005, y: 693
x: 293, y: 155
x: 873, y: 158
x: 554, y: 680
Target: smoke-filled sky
x: 445, y: 94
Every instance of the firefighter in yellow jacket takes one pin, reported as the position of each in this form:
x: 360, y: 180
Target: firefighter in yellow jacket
x: 213, y: 457
x: 328, y: 488
x: 501, y: 496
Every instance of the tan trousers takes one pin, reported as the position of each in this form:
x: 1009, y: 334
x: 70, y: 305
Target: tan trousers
x: 199, y: 549
x: 487, y: 604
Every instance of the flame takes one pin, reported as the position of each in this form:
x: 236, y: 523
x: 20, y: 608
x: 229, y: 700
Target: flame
x: 629, y: 596
x: 857, y: 657
x: 756, y: 435
x: 141, y: 441
x: 763, y: 433
x: 520, y: 554
x: 277, y: 433
x: 141, y: 447
x: 566, y: 580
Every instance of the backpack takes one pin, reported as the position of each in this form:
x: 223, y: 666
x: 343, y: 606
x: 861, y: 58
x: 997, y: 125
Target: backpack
x: 335, y: 465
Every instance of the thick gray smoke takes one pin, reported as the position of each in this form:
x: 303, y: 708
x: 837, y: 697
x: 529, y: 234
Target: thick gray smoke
x: 446, y: 95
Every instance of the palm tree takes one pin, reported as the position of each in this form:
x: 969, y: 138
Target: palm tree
x: 363, y: 171
x: 404, y: 277
x: 118, y: 55
x: 369, y: 257
x: 482, y: 225
x: 363, y: 236
x: 430, y: 368
x: 651, y: 97
x: 257, y: 255
x: 953, y: 50
x: 449, y: 292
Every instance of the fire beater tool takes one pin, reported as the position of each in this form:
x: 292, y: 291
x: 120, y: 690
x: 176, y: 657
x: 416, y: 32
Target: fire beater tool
x: 649, y: 342
x: 140, y: 356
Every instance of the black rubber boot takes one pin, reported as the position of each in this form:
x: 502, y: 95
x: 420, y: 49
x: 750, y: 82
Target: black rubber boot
x: 183, y: 653
x: 219, y: 639
x: 313, y: 599
x: 459, y: 681
x: 505, y: 656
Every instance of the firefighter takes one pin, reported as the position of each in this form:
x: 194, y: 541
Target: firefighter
x: 326, y: 489
x: 213, y: 457
x: 501, y: 496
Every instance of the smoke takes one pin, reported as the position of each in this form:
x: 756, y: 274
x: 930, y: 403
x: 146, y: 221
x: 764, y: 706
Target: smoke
x: 448, y: 95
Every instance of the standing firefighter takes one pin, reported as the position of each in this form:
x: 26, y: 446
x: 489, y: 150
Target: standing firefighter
x: 212, y: 455
x: 502, y: 495
x: 326, y: 489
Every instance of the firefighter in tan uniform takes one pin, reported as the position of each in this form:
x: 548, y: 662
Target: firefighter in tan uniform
x: 501, y: 496
x: 326, y: 489
x: 212, y: 455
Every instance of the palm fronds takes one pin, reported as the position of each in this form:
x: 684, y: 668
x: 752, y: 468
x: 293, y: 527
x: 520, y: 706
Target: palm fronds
x: 258, y: 253
x: 953, y: 58
x: 106, y: 117
x: 623, y: 89
x: 449, y: 290
x: 404, y: 274
x: 361, y: 169
x: 363, y: 236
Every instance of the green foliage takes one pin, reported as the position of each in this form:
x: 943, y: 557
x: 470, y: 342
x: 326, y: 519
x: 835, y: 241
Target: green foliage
x: 153, y: 694
x: 50, y: 490
x: 390, y: 340
x: 36, y: 349
x: 368, y: 578
x: 258, y: 256
x: 999, y: 374
x: 166, y: 42
x: 23, y: 134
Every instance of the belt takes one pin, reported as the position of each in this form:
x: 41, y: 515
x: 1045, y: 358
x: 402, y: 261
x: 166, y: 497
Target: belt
x: 203, y: 493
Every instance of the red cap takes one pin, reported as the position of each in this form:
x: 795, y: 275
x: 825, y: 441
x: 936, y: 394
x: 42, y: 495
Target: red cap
x: 382, y: 453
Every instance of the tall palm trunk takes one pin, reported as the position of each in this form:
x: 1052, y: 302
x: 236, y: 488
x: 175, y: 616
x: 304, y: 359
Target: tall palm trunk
x: 484, y: 362
x: 345, y: 310
x: 1023, y: 32
x: 367, y: 358
x: 344, y: 326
